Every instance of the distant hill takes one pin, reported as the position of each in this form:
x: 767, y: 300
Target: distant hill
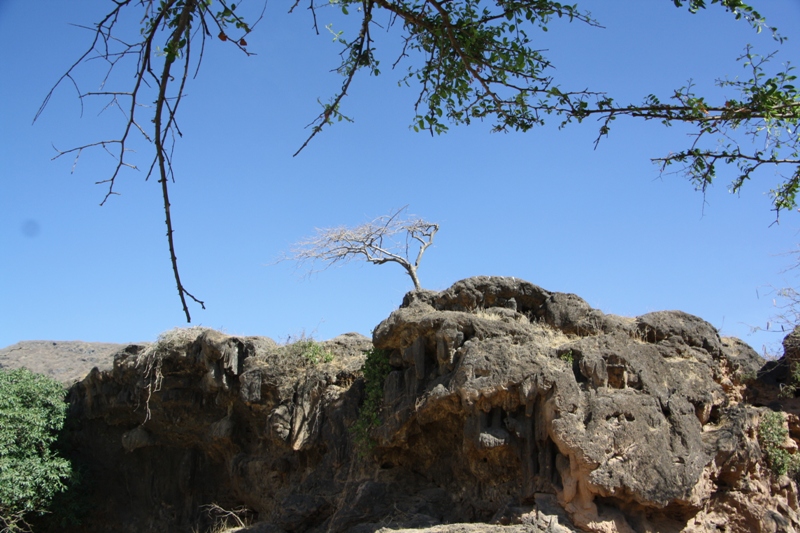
x: 65, y: 361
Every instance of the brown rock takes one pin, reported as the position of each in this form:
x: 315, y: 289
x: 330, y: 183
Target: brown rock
x: 507, y: 408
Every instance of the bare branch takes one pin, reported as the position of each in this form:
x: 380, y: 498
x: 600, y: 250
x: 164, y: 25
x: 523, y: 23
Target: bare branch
x: 386, y: 239
x: 223, y: 516
x: 172, y: 21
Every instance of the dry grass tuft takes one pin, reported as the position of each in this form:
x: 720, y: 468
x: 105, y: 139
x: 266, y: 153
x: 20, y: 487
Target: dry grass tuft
x: 500, y: 314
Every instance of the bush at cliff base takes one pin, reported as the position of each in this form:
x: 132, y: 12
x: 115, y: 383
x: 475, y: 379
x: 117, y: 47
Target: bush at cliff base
x: 32, y: 411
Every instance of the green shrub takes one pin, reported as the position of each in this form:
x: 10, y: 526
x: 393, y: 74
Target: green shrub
x: 314, y: 352
x: 771, y: 436
x: 376, y: 368
x: 307, y: 349
x: 788, y: 390
x: 32, y: 411
x: 69, y: 508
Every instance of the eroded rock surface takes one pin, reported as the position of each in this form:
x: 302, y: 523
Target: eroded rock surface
x: 507, y: 408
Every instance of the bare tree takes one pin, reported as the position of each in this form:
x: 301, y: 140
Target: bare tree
x: 387, y: 239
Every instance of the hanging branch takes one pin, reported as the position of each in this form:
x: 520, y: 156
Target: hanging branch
x: 174, y: 20
x: 180, y: 39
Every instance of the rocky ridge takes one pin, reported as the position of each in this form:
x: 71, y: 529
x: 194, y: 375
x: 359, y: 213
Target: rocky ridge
x: 64, y: 361
x: 506, y: 407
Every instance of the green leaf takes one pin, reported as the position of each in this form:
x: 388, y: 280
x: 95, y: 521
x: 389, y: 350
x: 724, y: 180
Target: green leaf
x: 32, y: 411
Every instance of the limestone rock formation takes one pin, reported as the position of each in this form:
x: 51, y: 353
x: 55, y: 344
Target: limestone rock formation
x: 506, y: 408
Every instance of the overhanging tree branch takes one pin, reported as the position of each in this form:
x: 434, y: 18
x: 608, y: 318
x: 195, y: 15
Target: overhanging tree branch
x: 478, y: 62
x: 172, y: 20
x: 180, y: 39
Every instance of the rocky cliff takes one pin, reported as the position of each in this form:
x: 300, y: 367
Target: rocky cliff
x: 503, y: 407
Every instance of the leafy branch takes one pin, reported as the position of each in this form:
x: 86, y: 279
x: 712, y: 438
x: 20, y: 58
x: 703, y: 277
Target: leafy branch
x: 478, y: 62
x: 767, y: 112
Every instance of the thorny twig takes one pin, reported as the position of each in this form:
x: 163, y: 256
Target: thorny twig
x: 173, y: 19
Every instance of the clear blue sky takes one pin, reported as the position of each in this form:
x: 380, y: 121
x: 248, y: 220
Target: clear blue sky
x: 544, y: 206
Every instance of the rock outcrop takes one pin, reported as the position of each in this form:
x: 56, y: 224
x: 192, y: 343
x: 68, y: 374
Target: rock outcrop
x: 506, y: 408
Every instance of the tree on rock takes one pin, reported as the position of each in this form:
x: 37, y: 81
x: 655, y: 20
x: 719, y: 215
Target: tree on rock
x: 387, y: 239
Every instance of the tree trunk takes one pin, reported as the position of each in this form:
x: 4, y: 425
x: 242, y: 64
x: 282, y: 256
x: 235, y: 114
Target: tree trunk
x: 413, y: 273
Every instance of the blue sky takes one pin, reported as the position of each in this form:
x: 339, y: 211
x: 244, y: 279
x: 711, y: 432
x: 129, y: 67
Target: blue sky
x: 544, y: 206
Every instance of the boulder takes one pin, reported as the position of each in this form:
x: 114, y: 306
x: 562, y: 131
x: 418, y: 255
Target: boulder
x: 506, y: 407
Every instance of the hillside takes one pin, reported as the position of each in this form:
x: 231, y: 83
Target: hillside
x: 64, y: 361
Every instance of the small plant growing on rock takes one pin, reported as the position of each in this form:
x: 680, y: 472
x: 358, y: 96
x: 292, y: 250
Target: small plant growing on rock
x: 771, y: 436
x: 376, y: 368
x: 308, y: 349
x: 314, y: 352
x: 789, y: 389
x: 567, y: 357
x: 746, y: 376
